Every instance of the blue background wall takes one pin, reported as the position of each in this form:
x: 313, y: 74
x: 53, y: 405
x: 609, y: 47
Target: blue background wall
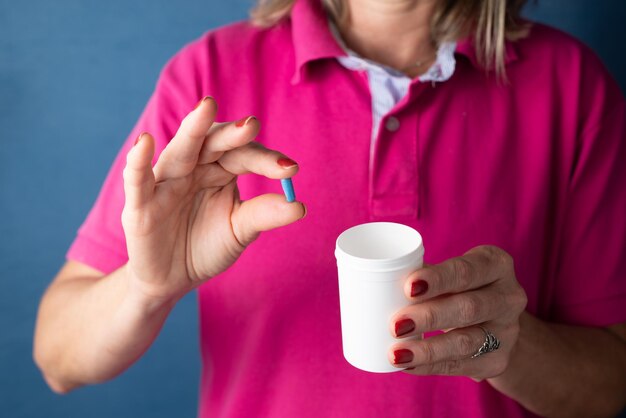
x: 74, y: 76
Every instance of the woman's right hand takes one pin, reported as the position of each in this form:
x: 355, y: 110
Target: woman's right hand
x: 183, y: 219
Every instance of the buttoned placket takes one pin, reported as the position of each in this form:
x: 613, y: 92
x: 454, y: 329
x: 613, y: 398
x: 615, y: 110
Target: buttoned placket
x: 393, y: 180
x: 394, y: 168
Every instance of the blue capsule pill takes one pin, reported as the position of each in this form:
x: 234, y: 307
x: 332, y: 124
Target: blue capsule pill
x: 290, y: 194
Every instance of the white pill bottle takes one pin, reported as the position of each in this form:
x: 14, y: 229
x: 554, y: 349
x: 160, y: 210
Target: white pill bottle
x: 373, y: 261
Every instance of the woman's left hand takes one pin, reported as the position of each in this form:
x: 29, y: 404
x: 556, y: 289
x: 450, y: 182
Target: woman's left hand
x: 467, y: 297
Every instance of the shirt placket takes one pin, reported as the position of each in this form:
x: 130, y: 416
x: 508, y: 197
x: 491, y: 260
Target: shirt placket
x: 394, y: 166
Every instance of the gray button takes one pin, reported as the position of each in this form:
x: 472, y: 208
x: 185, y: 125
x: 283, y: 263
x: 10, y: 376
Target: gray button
x: 392, y: 124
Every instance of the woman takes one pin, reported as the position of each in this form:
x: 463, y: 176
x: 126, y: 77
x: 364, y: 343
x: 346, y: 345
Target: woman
x: 496, y: 139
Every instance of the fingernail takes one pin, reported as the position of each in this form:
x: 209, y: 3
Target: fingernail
x: 305, y: 211
x: 418, y: 288
x: 404, y: 326
x: 402, y: 356
x: 244, y: 121
x: 200, y: 102
x: 286, y: 162
x: 138, y: 138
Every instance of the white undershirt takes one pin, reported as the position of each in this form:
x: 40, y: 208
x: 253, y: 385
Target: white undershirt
x: 387, y: 85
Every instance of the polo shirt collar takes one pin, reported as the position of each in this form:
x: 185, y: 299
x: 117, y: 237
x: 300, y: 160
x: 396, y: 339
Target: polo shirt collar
x: 312, y: 38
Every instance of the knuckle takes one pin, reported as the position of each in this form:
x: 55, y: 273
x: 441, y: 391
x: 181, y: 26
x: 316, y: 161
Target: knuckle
x: 469, y: 309
x: 435, y: 278
x: 522, y: 303
x: 497, y: 255
x: 429, y: 319
x: 430, y: 369
x: 517, y: 299
x: 466, y: 344
x: 490, y: 251
x: 503, y: 258
x: 452, y: 367
x: 522, y: 298
x: 463, y: 272
x: 425, y: 353
x: 483, y: 253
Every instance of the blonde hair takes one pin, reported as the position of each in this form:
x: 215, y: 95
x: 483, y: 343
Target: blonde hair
x: 489, y: 22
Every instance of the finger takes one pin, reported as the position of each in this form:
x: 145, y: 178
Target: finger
x: 454, y: 311
x: 484, y: 367
x: 477, y: 268
x: 451, y: 354
x: 263, y: 213
x: 224, y: 137
x: 458, y: 344
x: 138, y: 175
x: 180, y: 156
x: 255, y: 158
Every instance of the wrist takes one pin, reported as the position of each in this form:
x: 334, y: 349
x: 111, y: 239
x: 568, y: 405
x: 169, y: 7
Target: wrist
x: 147, y: 299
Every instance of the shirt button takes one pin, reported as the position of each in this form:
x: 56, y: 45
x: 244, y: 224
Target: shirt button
x: 392, y: 124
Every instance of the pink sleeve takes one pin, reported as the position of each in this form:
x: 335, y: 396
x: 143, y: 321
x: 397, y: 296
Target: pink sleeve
x: 100, y: 242
x: 591, y: 282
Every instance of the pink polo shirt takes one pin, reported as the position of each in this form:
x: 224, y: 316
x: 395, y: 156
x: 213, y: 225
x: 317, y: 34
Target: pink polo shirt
x: 535, y: 166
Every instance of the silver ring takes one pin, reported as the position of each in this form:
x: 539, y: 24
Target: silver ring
x: 491, y: 344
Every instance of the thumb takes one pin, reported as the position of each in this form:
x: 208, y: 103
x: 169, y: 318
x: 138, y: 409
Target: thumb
x: 263, y: 213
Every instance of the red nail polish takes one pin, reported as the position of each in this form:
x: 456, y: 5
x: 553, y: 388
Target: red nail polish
x: 418, y: 288
x: 200, y: 102
x: 138, y: 138
x: 286, y: 162
x: 402, y: 356
x: 244, y: 121
x: 404, y: 326
x: 204, y: 99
